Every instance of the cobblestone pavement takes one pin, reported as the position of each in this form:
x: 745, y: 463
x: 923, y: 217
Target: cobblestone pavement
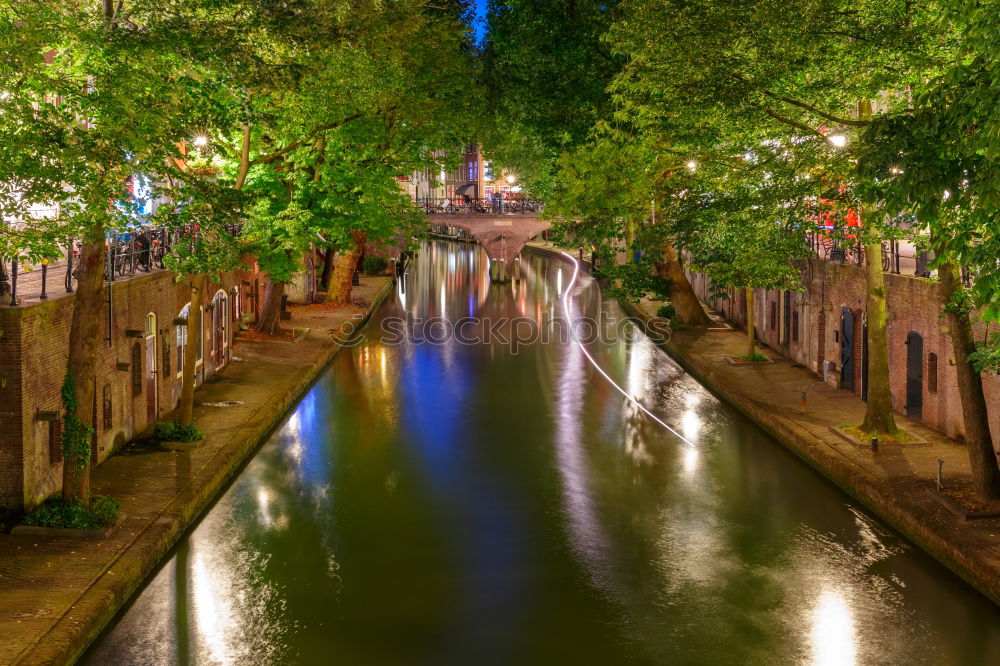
x: 57, y: 594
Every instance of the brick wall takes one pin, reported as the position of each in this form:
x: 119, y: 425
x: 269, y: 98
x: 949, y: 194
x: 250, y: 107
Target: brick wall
x: 914, y: 309
x: 129, y: 397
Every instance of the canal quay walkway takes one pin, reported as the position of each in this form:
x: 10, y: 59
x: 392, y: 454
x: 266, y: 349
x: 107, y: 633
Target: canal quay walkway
x: 894, y: 483
x: 57, y: 594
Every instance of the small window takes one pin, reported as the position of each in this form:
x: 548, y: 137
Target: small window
x: 773, y: 315
x: 932, y: 373
x: 106, y: 410
x: 55, y: 441
x: 795, y: 326
x: 136, y: 370
x: 150, y: 325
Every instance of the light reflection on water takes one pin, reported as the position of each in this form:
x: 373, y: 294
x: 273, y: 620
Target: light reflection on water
x: 460, y: 504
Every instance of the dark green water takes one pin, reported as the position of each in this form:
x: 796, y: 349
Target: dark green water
x: 459, y: 503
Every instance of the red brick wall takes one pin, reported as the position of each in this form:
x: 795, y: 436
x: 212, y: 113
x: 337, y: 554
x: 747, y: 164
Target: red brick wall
x: 33, y: 357
x: 11, y: 446
x: 913, y: 304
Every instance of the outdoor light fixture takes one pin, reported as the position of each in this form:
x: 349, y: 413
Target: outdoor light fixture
x: 511, y: 178
x: 837, y: 140
x: 200, y: 141
x: 692, y: 165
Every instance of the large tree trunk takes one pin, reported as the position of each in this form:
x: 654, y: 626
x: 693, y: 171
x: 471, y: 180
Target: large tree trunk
x: 748, y: 293
x: 191, y: 350
x: 687, y: 307
x: 269, y: 322
x: 878, y: 411
x: 339, y: 292
x: 982, y: 455
x: 88, y: 308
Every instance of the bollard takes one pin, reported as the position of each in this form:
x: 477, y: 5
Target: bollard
x: 940, y: 486
x: 874, y: 444
x: 804, y: 405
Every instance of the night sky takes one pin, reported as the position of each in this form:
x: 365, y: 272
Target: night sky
x: 480, y: 16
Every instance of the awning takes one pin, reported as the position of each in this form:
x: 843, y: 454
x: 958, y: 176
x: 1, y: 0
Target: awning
x: 468, y: 188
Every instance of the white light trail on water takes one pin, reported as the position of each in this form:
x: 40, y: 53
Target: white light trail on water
x: 629, y: 397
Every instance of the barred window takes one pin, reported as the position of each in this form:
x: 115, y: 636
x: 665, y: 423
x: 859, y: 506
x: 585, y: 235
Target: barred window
x: 932, y: 373
x: 55, y: 441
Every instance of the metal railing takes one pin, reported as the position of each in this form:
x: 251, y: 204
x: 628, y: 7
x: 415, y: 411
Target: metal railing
x: 129, y: 253
x: 899, y: 257
x: 489, y: 206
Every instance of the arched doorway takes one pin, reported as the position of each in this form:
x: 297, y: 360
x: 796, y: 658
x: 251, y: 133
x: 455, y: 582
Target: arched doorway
x: 846, y: 349
x: 151, y: 385
x: 220, y: 327
x: 914, y: 375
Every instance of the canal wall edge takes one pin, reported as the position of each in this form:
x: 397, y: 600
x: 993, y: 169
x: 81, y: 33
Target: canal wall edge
x: 69, y: 638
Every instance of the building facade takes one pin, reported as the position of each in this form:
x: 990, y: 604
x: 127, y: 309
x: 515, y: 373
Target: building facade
x: 138, y: 379
x: 823, y: 328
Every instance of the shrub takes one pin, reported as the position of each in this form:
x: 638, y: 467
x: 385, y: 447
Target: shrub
x: 755, y: 357
x: 172, y: 431
x: 103, y: 511
x: 666, y: 311
x: 373, y: 265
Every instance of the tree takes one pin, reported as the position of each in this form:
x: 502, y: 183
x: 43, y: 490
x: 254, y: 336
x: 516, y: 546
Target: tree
x: 745, y: 227
x: 724, y: 77
x: 93, y: 94
x: 936, y: 159
x: 545, y: 74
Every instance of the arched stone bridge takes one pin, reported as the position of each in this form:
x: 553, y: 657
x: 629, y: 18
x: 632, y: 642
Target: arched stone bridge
x: 502, y: 236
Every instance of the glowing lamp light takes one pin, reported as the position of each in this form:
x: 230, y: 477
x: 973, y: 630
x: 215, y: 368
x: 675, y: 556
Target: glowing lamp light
x: 692, y: 165
x: 837, y: 140
x: 200, y: 141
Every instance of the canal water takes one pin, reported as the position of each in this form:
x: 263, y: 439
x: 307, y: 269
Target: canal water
x: 445, y: 496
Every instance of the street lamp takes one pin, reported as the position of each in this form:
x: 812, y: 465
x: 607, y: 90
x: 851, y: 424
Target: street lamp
x: 837, y: 140
x: 511, y: 179
x: 692, y: 165
x: 200, y: 141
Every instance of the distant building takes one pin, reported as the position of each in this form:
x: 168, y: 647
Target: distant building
x: 473, y: 178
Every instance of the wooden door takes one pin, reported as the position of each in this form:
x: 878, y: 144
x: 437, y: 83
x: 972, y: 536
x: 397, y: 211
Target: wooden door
x: 914, y: 375
x: 846, y: 349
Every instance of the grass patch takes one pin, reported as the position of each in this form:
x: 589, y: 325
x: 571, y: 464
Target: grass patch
x: 901, y: 436
x: 103, y: 511
x: 752, y: 358
x: 172, y: 431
